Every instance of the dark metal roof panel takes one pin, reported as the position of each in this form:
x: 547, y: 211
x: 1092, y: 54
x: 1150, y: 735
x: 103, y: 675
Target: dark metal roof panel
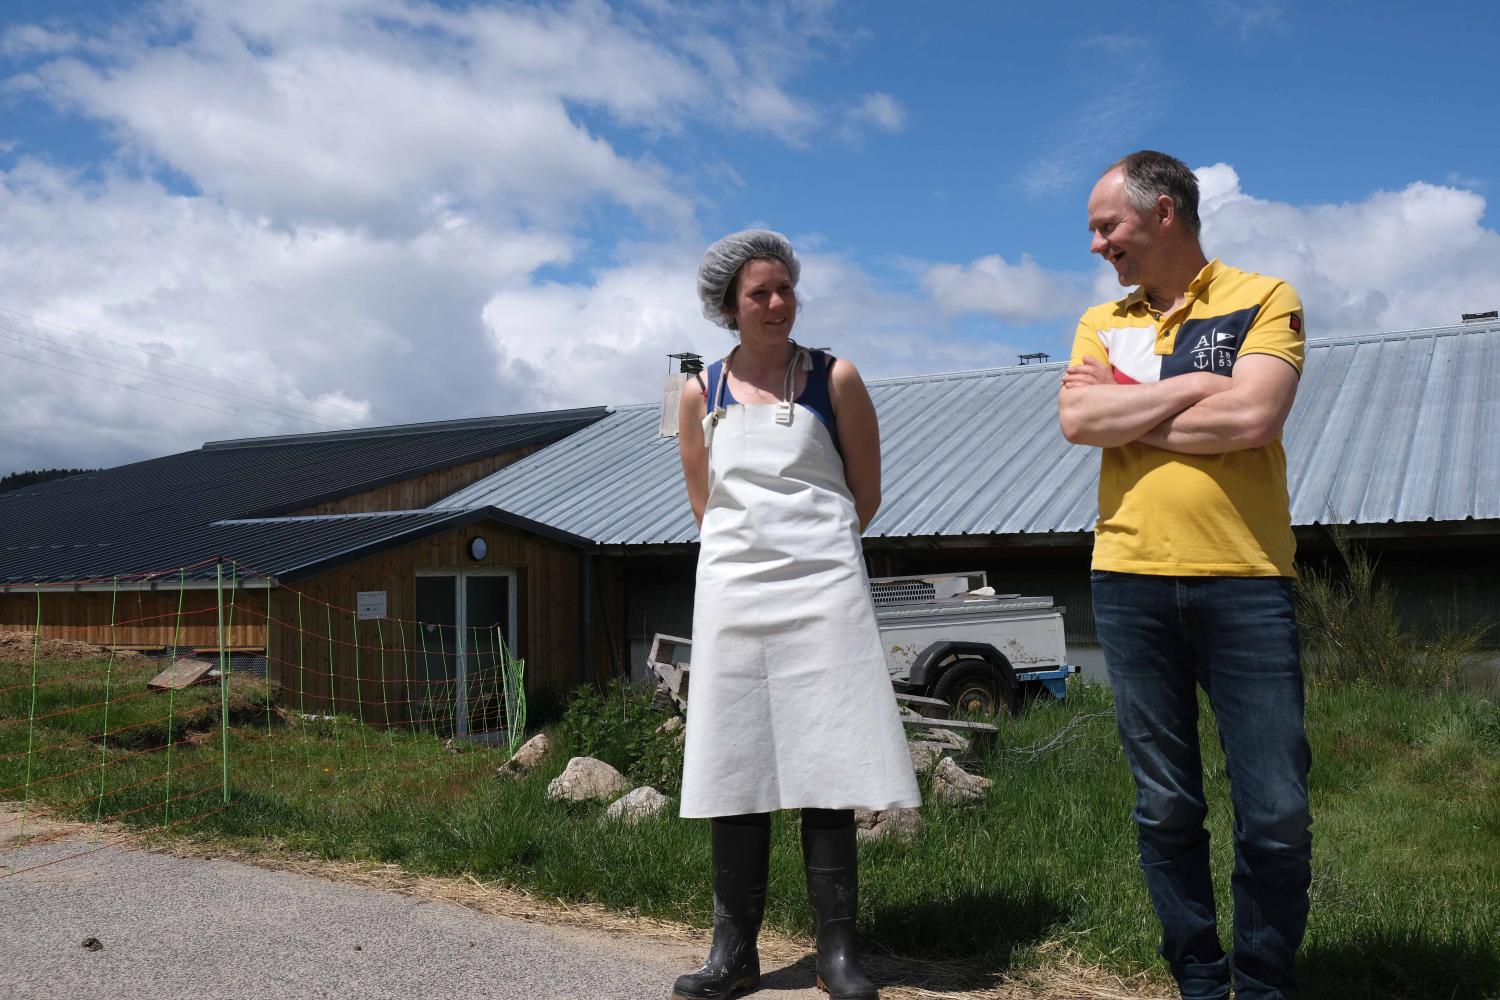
x: 286, y: 548
x: 157, y: 513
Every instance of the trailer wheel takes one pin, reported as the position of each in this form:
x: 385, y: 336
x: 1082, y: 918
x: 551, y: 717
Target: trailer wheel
x: 974, y: 687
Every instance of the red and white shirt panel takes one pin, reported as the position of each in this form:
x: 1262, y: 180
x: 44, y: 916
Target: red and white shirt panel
x: 1132, y: 353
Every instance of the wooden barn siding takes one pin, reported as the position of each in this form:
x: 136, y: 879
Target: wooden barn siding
x: 611, y: 643
x: 548, y: 625
x: 150, y: 618
x: 421, y: 492
x: 547, y: 622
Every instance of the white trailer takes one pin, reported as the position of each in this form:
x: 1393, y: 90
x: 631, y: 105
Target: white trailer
x: 951, y: 637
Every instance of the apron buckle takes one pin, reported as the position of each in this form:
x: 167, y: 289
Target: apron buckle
x: 710, y: 422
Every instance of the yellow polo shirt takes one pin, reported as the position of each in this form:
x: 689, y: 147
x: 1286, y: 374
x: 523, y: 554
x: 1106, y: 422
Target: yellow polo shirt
x: 1169, y: 514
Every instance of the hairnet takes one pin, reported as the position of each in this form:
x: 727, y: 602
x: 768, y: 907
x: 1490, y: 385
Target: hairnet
x: 724, y: 259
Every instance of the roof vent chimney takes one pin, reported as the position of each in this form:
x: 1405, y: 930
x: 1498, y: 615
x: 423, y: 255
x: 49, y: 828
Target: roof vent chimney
x: 1039, y: 358
x: 688, y: 364
x: 1488, y: 317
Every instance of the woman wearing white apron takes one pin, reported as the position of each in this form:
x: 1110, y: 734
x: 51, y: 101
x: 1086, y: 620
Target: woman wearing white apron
x: 791, y: 706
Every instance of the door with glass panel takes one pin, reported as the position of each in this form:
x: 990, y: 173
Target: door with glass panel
x: 466, y: 622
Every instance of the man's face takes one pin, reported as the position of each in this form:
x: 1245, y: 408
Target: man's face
x: 1131, y: 241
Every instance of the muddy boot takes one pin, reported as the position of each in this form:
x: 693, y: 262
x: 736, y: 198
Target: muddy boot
x: 831, y: 854
x: 741, y: 857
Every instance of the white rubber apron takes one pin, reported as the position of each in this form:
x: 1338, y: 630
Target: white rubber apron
x: 789, y: 704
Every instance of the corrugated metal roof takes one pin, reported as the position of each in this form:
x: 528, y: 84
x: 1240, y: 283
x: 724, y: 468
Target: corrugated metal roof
x: 1389, y: 428
x: 614, y: 480
x: 1399, y: 428
x: 159, y: 513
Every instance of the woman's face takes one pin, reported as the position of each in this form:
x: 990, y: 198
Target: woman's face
x: 765, y: 302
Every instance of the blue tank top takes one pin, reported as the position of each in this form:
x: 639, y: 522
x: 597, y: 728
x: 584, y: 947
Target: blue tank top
x: 814, y: 396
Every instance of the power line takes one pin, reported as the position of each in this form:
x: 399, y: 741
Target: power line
x: 136, y: 388
x: 185, y: 364
x: 173, y: 381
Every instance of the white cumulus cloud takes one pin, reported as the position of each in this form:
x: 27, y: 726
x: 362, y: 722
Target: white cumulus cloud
x: 356, y: 211
x: 1023, y: 292
x: 1392, y: 260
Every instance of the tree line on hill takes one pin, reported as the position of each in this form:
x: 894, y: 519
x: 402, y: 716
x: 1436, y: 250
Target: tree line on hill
x: 20, y: 480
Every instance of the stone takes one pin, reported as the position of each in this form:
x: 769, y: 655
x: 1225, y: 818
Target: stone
x: 925, y: 755
x: 898, y: 824
x: 587, y: 778
x: 525, y: 760
x: 955, y: 786
x: 949, y: 739
x: 675, y: 726
x: 636, y: 805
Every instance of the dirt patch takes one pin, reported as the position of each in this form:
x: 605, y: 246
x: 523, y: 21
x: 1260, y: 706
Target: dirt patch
x: 18, y: 647
x: 23, y: 824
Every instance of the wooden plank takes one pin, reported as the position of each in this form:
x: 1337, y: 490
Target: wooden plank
x: 932, y: 708
x: 183, y: 673
x: 952, y: 725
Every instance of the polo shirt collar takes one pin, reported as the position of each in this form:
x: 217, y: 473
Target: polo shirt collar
x: 1205, y: 277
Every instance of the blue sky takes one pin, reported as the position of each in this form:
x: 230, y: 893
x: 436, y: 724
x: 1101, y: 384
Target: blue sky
x: 219, y: 222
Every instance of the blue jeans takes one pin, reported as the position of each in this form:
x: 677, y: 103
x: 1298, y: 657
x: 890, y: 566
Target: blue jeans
x: 1236, y: 637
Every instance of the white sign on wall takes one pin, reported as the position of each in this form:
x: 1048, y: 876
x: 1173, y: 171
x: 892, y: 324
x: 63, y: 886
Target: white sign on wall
x: 371, y: 604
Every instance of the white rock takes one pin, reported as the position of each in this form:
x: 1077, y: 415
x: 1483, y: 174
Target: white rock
x: 676, y: 726
x: 525, y: 760
x: 901, y: 824
x: 925, y: 754
x: 954, y: 785
x: 586, y: 778
x: 950, y: 739
x: 636, y: 805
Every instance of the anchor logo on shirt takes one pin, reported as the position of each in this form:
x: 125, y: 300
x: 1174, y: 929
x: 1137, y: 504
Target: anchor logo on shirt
x: 1215, y: 350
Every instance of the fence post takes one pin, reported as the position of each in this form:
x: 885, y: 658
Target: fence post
x: 223, y: 675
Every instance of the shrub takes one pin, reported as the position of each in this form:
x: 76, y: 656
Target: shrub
x: 620, y: 727
x: 1352, y: 632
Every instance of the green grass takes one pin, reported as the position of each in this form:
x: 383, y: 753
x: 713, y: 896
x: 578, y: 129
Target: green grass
x: 1406, y: 801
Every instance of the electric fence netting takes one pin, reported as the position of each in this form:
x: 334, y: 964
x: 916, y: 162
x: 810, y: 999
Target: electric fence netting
x: 203, y: 696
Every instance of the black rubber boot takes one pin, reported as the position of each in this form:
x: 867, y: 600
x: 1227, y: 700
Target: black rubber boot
x: 742, y: 855
x: 831, y: 855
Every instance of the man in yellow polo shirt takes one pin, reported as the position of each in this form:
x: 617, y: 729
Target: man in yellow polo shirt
x: 1185, y: 384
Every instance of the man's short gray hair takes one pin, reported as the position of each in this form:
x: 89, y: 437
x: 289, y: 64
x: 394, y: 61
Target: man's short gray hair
x: 1149, y: 175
